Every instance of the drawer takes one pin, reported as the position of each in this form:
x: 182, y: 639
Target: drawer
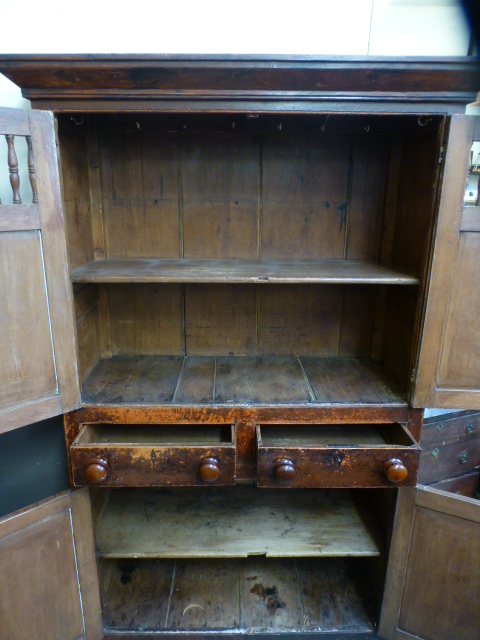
x: 336, y: 456
x: 154, y: 455
x: 451, y: 458
x: 450, y: 427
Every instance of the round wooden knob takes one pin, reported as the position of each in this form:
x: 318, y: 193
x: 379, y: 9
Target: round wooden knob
x: 96, y: 471
x: 285, y: 471
x: 395, y: 470
x: 209, y: 470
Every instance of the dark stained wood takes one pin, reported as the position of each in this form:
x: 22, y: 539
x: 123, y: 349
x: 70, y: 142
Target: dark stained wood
x: 88, y: 330
x: 246, y: 522
x: 330, y: 597
x: 197, y: 381
x: 333, y: 457
x: 260, y: 380
x: 451, y: 457
x: 258, y: 594
x: 246, y: 78
x: 133, y: 380
x: 450, y: 426
x: 140, y: 458
x: 465, y: 485
x: 238, y: 271
x: 357, y: 324
x: 242, y: 380
x: 346, y: 380
x: 136, y: 595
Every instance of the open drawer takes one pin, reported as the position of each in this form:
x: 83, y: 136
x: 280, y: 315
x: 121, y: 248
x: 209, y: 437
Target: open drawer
x: 293, y: 455
x: 113, y: 455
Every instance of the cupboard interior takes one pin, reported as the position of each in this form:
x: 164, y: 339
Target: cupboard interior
x: 273, y: 250
x: 242, y: 559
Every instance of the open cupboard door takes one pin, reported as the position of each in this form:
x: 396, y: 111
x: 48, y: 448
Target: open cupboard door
x: 49, y: 587
x: 38, y: 372
x: 432, y: 587
x: 448, y: 368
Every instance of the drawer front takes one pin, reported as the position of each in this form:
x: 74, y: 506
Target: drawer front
x: 449, y: 459
x: 336, y: 466
x: 439, y: 430
x: 116, y: 464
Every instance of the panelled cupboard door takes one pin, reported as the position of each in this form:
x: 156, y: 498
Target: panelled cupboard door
x: 38, y: 372
x: 448, y: 367
x: 49, y: 585
x: 432, y: 589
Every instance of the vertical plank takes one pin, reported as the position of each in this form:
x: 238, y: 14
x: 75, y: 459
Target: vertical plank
x: 204, y: 596
x: 220, y: 319
x: 220, y: 180
x: 55, y: 257
x: 145, y: 319
x: 270, y: 596
x: 88, y: 330
x: 367, y: 197
x: 303, y: 320
x: 305, y: 192
x: 95, y: 192
x: 140, y: 194
x: 76, y: 201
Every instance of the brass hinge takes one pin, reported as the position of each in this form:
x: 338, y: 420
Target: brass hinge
x: 440, y: 157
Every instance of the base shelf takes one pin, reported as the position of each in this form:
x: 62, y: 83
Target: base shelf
x: 235, y: 523
x: 241, y: 381
x: 253, y: 596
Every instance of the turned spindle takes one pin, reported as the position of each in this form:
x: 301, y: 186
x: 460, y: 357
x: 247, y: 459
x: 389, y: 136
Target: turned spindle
x: 13, y: 168
x: 31, y: 170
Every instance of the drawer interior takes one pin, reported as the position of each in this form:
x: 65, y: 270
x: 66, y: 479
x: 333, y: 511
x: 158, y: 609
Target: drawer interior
x: 162, y: 435
x: 345, y: 435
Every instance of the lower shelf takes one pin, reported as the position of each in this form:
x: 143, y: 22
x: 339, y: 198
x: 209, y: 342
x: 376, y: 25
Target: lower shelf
x: 255, y: 595
x: 241, y: 380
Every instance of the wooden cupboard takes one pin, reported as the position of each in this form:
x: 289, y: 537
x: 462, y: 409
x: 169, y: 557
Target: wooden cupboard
x: 248, y: 277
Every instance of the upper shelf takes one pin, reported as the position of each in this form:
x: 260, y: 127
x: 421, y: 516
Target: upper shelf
x: 116, y: 270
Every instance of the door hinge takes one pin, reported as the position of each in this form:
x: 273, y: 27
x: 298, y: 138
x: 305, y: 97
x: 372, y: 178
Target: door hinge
x: 440, y: 157
x: 413, y: 376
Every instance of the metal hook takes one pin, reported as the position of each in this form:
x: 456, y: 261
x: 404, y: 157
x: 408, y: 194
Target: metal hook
x: 82, y: 120
x: 423, y: 121
x: 367, y: 128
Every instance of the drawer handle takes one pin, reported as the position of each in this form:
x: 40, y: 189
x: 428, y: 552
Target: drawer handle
x: 470, y: 428
x: 285, y: 471
x: 463, y: 457
x: 209, y: 470
x: 395, y: 470
x: 96, y: 471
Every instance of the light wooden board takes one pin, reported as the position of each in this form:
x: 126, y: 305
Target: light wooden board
x: 234, y: 524
x: 239, y: 271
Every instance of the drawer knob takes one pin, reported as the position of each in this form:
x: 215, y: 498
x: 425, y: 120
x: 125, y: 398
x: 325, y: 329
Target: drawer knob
x: 395, y: 470
x: 209, y: 470
x: 96, y: 471
x: 285, y: 471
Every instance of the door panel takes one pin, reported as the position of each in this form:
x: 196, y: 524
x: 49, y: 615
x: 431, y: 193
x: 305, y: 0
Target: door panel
x: 432, y: 588
x: 49, y: 588
x: 448, y: 368
x: 38, y: 374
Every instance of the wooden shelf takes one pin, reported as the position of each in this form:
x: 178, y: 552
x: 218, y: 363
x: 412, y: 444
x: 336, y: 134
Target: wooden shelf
x: 252, y: 595
x: 234, y: 523
x: 240, y: 381
x: 116, y: 270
